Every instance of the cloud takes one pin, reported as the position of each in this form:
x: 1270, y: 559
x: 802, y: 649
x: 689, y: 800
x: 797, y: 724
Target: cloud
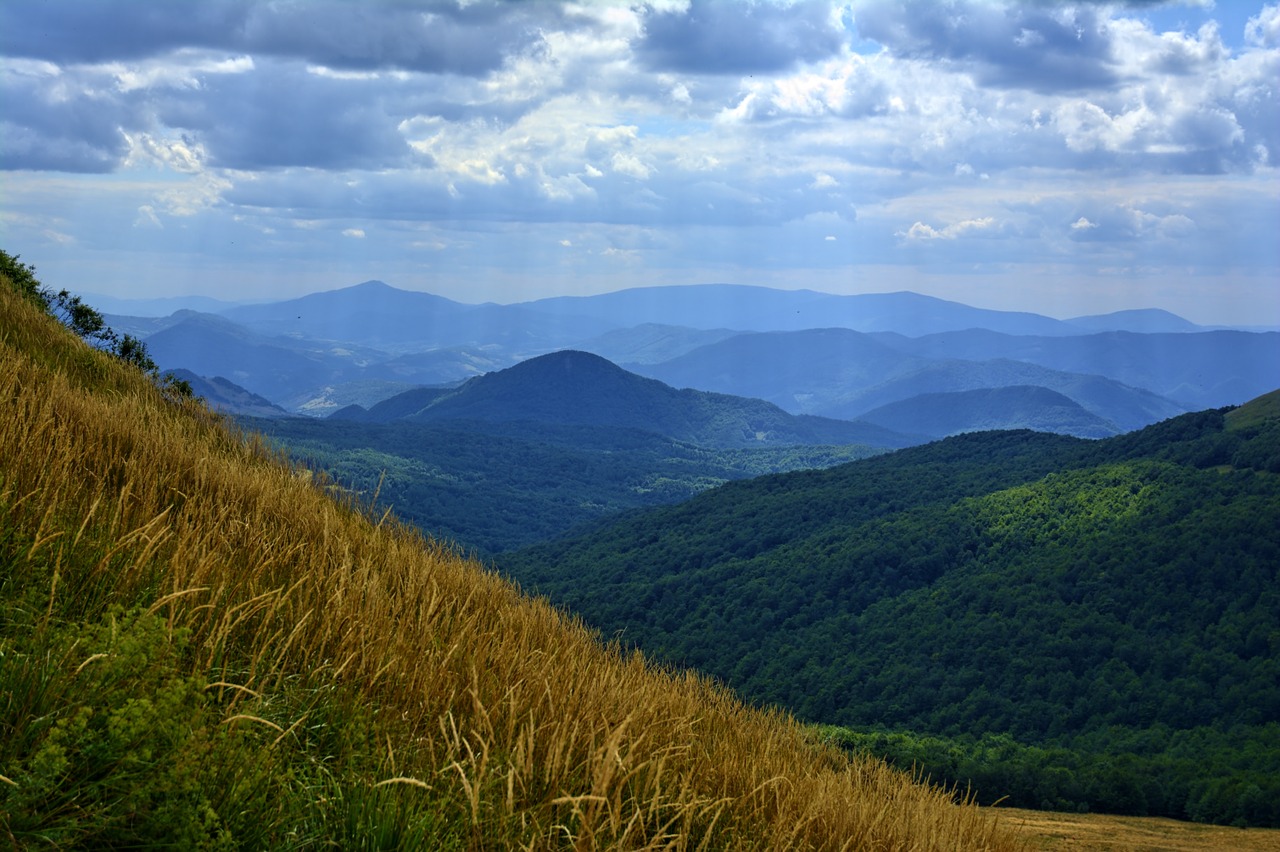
x: 1031, y: 46
x: 692, y: 136
x: 710, y: 37
x: 52, y: 120
x: 1264, y: 29
x: 147, y: 218
x: 470, y: 38
x: 1130, y: 223
x: 921, y: 231
x: 281, y: 115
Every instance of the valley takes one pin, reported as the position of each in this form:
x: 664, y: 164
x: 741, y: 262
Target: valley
x: 992, y: 585
x: 1043, y: 540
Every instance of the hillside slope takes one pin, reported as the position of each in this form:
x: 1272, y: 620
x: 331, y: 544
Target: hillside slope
x: 202, y: 647
x: 1051, y: 589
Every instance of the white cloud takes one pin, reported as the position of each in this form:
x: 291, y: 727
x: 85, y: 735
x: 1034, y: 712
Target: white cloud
x: 631, y: 165
x: 147, y: 218
x: 354, y: 233
x: 1063, y: 125
x: 1264, y: 29
x: 921, y: 231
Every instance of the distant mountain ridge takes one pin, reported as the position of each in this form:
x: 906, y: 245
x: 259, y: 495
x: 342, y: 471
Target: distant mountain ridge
x: 1147, y: 321
x: 316, y: 354
x: 228, y: 397
x: 578, y: 388
x: 762, y: 309
x: 940, y: 415
x: 837, y: 372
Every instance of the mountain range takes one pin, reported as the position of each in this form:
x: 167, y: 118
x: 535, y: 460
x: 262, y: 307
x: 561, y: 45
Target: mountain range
x: 805, y: 352
x: 581, y: 389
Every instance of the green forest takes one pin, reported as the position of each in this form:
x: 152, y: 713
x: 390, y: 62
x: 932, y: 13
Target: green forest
x: 1108, y: 610
x: 492, y: 487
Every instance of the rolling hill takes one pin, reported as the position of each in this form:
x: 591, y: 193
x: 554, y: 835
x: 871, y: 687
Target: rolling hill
x: 1204, y: 370
x: 843, y: 374
x: 1083, y: 596
x: 228, y: 397
x: 940, y: 415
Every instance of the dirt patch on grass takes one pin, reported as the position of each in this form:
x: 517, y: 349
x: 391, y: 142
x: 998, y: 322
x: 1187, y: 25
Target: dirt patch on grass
x: 1070, y: 832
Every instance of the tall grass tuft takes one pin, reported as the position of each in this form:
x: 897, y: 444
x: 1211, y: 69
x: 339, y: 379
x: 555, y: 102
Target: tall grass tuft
x: 201, y: 644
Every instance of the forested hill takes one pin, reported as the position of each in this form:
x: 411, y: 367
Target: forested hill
x: 580, y: 389
x: 1044, y: 587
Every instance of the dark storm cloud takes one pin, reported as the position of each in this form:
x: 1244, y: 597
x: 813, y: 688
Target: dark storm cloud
x: 429, y: 36
x: 1015, y: 46
x: 279, y: 116
x: 738, y: 38
x: 47, y: 125
x: 72, y: 31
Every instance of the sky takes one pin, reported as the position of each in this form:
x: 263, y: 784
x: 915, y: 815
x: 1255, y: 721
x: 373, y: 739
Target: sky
x: 1067, y: 159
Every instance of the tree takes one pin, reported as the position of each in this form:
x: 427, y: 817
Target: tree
x: 89, y: 324
x: 23, y: 276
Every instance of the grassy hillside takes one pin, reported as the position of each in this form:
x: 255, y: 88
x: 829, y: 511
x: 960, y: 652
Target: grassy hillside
x: 1114, y: 599
x: 201, y: 646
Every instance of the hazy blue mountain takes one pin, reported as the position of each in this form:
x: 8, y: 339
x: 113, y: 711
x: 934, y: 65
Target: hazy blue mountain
x: 1204, y: 370
x: 940, y: 415
x: 402, y: 405
x: 323, y: 401
x: 228, y: 397
x: 1148, y: 321
x: 579, y: 388
x: 842, y: 373
x: 765, y: 309
x: 451, y: 364
x: 302, y: 374
x: 1126, y: 407
x: 651, y: 343
x: 143, y: 327
x: 809, y: 371
x: 159, y: 307
x: 298, y: 351
x: 370, y: 312
x: 210, y: 345
x: 376, y: 314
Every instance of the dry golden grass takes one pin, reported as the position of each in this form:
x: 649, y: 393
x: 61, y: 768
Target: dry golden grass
x: 477, y: 694
x: 1072, y: 832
